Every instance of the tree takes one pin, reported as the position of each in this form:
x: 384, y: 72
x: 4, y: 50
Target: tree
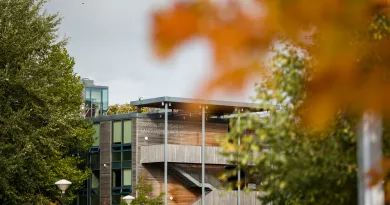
x: 239, y: 41
x: 126, y: 108
x: 349, y: 69
x: 144, y: 190
x: 40, y: 97
x: 296, y: 165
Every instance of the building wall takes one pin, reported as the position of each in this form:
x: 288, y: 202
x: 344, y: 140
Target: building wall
x: 105, y: 159
x: 151, y: 132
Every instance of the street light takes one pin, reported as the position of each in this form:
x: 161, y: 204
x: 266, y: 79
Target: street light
x: 128, y: 199
x: 63, y: 185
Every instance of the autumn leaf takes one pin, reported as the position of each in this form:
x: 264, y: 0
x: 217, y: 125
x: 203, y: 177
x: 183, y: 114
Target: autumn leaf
x: 347, y: 35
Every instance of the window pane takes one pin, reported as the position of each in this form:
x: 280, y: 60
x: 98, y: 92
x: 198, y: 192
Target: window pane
x: 116, y: 156
x: 95, y: 179
x: 126, y: 156
x: 96, y: 136
x: 96, y: 99
x: 116, y: 199
x: 118, y: 132
x: 116, y: 178
x: 127, y: 131
x: 83, y: 200
x: 95, y: 200
x: 126, y: 177
x: 88, y: 102
x: 95, y: 158
x: 105, y: 100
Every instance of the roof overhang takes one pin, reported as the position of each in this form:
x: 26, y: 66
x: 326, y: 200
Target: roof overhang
x: 216, y: 107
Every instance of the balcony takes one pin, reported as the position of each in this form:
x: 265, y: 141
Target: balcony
x: 182, y: 154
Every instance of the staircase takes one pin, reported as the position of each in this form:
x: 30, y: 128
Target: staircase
x: 188, y: 179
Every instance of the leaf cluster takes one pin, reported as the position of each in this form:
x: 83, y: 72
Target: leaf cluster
x: 40, y: 97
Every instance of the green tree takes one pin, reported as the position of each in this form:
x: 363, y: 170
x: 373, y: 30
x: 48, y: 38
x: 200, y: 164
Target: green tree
x: 126, y: 108
x: 144, y: 190
x: 296, y: 165
x: 40, y: 98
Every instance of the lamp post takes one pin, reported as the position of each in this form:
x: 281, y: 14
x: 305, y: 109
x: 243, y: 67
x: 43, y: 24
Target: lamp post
x: 63, y: 185
x: 128, y: 199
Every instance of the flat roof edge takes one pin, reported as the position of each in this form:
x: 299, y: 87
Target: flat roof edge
x: 151, y: 101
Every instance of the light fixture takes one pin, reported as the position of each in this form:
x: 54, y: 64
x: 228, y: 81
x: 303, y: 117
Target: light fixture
x: 63, y: 185
x: 162, y: 103
x: 171, y: 198
x: 128, y: 199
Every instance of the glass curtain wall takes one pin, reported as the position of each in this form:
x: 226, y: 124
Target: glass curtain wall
x: 96, y: 101
x: 121, y: 160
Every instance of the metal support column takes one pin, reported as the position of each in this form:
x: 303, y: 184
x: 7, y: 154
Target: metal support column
x: 203, y: 154
x: 239, y: 169
x: 369, y: 155
x: 166, y: 155
x: 63, y: 197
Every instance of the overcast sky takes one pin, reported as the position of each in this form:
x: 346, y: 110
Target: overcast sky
x: 110, y: 41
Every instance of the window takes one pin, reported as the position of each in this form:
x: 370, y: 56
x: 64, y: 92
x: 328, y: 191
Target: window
x: 116, y: 157
x: 95, y: 158
x: 126, y: 177
x: 83, y: 200
x: 116, y: 178
x: 127, y: 132
x: 121, y: 132
x: 95, y: 200
x: 116, y: 199
x: 96, y: 102
x: 96, y: 136
x: 105, y: 100
x: 117, y: 132
x: 95, y: 179
x: 126, y: 156
x: 88, y: 102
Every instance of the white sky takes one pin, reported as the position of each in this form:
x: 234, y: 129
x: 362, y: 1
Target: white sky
x: 109, y: 40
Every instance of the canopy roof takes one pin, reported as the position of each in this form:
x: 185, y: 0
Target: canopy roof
x: 216, y: 107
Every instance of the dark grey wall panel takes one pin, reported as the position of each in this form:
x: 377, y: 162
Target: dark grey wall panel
x: 105, y: 161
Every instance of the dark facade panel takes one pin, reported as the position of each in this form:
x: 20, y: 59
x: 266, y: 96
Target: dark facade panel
x: 105, y: 161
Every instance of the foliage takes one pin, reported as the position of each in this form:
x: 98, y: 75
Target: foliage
x: 126, y: 108
x: 348, y: 43
x: 296, y: 166
x: 40, y: 96
x: 241, y: 33
x: 144, y: 190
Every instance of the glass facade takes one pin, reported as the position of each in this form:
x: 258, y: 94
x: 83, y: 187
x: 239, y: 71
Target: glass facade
x: 121, y: 160
x: 96, y: 101
x: 121, y: 164
x: 96, y: 136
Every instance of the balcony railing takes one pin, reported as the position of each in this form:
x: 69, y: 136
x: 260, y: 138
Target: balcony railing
x: 182, y: 154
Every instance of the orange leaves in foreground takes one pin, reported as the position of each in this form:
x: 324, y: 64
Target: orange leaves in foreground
x: 238, y: 39
x: 350, y: 69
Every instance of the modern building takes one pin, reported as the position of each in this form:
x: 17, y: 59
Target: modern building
x: 175, y: 150
x: 95, y: 98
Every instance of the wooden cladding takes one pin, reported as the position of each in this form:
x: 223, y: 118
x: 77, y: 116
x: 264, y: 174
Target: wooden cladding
x: 183, y: 136
x: 179, y: 132
x: 220, y: 197
x: 182, y: 154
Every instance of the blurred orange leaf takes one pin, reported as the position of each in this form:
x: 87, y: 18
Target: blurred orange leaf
x: 351, y: 68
